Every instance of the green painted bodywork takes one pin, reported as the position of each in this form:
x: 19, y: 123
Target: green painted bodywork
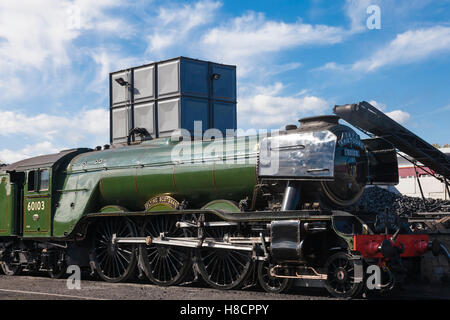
x: 224, y: 205
x: 109, y: 209
x: 129, y: 176
x: 8, y: 193
x: 37, y: 211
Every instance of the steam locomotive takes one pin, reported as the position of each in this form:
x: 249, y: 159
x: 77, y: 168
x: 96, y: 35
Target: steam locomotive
x: 230, y: 210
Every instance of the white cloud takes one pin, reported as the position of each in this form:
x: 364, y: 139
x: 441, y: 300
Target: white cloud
x: 51, y: 133
x: 34, y: 31
x: 439, y: 110
x: 333, y: 66
x: 400, y: 116
x: 357, y: 12
x: 93, y: 122
x: 109, y: 60
x: 378, y: 105
x: 10, y: 156
x: 173, y: 25
x: 11, y: 87
x: 37, y: 37
x: 37, y: 51
x: 70, y: 129
x: 267, y: 107
x: 94, y: 16
x: 252, y: 36
x: 281, y: 68
x: 407, y: 47
x: 90, y: 127
x: 249, y: 41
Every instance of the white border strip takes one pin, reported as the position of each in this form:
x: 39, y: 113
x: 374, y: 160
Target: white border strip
x: 50, y: 294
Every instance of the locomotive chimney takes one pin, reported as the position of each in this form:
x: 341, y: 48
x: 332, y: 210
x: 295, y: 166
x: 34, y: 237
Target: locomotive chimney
x: 291, y: 127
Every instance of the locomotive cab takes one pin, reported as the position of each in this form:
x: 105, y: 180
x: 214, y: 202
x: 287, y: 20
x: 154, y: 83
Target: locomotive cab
x: 25, y: 202
x: 28, y: 192
x: 37, y: 202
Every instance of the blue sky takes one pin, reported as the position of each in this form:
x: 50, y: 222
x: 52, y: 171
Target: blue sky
x: 294, y: 59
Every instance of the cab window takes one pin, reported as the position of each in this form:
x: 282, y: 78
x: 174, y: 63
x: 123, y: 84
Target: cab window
x: 44, y: 178
x: 31, y: 181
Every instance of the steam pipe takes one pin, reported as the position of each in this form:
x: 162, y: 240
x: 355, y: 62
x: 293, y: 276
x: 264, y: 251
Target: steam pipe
x: 291, y: 196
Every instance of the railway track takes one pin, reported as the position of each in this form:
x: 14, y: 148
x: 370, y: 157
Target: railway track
x: 42, y: 288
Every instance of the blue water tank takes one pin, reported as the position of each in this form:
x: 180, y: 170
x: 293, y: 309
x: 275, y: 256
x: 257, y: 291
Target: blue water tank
x: 172, y: 94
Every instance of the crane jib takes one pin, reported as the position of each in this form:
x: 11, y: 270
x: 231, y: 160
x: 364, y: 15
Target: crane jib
x: 368, y: 118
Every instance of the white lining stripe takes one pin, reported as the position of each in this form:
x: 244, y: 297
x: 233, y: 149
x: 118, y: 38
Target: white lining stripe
x: 50, y: 294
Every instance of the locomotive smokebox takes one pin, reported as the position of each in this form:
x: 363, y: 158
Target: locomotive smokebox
x: 328, y: 160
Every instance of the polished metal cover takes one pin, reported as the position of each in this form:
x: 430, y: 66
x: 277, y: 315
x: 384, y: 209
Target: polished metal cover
x: 298, y: 156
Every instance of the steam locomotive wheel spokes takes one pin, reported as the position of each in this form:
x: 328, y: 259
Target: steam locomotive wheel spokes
x: 222, y: 268
x: 341, y: 276
x: 114, y: 262
x: 271, y: 284
x: 164, y: 265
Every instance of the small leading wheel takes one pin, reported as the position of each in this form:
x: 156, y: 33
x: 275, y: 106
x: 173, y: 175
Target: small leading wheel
x: 341, y: 274
x: 271, y: 284
x: 10, y: 269
x: 164, y: 265
x: 114, y: 262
